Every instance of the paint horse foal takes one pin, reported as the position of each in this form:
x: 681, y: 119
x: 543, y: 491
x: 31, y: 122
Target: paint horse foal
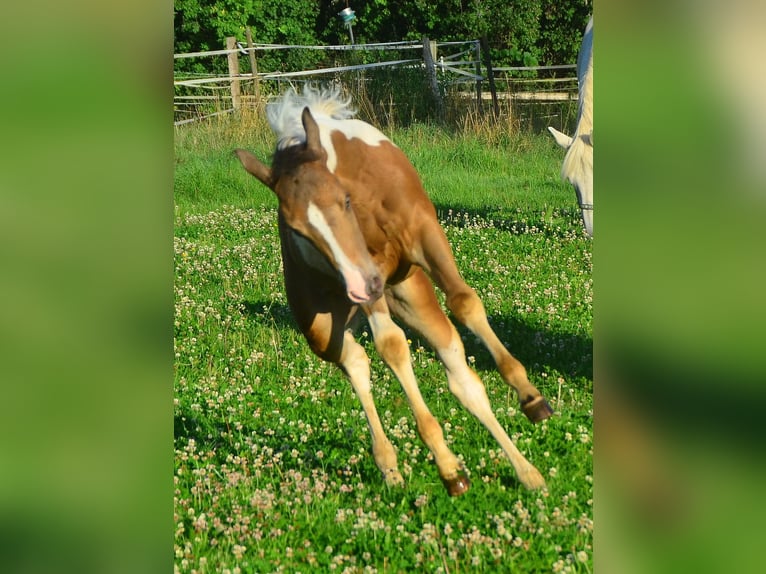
x: 577, y: 168
x: 358, y: 231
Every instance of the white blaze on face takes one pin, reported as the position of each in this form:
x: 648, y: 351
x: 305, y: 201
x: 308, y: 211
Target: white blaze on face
x: 356, y: 286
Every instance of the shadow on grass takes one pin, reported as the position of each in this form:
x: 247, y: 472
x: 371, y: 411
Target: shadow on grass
x: 513, y: 222
x: 214, y: 432
x: 207, y: 432
x: 569, y: 354
x: 272, y: 313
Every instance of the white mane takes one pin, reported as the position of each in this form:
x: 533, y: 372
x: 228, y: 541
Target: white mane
x: 284, y: 115
x: 579, y: 157
x: 331, y: 113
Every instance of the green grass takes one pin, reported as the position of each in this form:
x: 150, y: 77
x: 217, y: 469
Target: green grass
x: 273, y: 470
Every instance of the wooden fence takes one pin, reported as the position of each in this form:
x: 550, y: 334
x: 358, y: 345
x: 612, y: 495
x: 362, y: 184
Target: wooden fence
x: 462, y: 69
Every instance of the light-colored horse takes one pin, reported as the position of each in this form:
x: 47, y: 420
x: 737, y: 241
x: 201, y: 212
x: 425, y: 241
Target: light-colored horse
x: 358, y: 231
x: 578, y: 161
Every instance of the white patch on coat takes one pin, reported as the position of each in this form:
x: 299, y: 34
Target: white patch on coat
x: 349, y: 128
x: 329, y: 110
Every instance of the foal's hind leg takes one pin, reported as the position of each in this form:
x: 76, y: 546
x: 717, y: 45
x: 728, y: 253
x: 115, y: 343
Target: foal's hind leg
x: 391, y: 343
x: 415, y: 303
x: 465, y: 304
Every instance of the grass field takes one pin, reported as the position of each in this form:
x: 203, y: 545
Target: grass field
x: 273, y: 470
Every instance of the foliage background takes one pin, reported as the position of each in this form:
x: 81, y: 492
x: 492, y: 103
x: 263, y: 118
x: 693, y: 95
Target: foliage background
x: 518, y: 32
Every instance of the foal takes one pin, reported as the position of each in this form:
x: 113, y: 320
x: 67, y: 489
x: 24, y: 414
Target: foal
x: 358, y: 231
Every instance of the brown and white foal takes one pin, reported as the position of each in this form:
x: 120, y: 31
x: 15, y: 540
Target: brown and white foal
x: 358, y: 231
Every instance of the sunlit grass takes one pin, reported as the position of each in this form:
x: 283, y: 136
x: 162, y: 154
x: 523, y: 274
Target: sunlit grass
x: 273, y: 470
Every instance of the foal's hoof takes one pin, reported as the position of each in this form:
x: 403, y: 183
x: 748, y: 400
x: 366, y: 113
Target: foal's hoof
x: 393, y: 477
x: 457, y: 485
x: 532, y: 479
x: 537, y: 409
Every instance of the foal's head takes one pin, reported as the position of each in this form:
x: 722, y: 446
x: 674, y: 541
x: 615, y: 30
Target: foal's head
x: 319, y: 212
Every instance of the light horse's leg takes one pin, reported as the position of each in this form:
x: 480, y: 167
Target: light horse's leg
x: 391, y: 343
x: 414, y: 301
x: 328, y: 337
x: 465, y: 304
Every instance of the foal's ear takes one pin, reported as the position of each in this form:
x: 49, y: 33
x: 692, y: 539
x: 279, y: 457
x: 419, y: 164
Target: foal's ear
x: 313, y: 144
x: 254, y: 166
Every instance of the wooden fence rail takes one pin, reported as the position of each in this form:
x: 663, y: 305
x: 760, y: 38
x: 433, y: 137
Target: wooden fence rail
x: 443, y: 69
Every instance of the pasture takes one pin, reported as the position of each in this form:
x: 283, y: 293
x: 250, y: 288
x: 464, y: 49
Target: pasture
x: 273, y: 470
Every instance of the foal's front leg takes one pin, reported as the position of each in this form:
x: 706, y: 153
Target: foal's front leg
x: 356, y: 365
x: 391, y: 343
x: 327, y: 336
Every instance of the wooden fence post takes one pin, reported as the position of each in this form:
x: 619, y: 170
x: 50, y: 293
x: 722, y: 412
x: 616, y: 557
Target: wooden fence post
x: 233, y: 57
x: 477, y: 56
x: 490, y: 75
x: 428, y: 58
x: 253, y: 64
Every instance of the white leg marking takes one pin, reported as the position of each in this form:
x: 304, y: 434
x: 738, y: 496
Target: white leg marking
x: 383, y: 327
x: 468, y: 388
x: 357, y: 367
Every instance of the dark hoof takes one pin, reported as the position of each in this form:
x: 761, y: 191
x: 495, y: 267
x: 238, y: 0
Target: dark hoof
x: 537, y: 409
x: 458, y: 485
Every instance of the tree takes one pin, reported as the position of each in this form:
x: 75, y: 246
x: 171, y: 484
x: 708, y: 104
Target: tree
x: 561, y: 28
x: 201, y: 25
x: 519, y: 32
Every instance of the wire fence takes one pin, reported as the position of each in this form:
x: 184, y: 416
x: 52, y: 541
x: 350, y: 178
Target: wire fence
x: 393, y: 83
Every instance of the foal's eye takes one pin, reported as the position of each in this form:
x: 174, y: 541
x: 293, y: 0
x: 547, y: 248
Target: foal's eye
x: 348, y: 202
